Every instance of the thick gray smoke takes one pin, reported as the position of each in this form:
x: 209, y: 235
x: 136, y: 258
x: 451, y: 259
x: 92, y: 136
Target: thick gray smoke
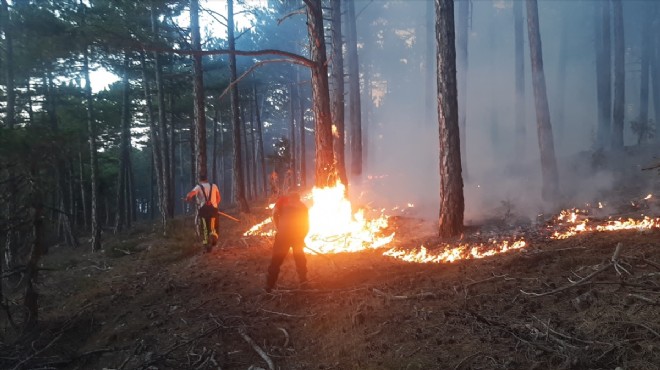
x: 402, y: 157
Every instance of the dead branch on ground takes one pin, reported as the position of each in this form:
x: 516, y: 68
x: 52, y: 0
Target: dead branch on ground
x: 256, y: 348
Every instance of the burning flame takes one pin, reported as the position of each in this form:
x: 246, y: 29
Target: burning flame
x: 333, y: 228
x: 577, y: 222
x: 460, y: 252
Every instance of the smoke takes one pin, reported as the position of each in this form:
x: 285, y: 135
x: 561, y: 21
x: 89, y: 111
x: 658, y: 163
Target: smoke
x: 503, y: 174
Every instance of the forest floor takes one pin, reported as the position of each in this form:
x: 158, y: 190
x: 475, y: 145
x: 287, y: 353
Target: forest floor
x: 148, y: 302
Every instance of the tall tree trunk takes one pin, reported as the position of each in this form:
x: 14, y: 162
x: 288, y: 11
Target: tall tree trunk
x: 32, y: 267
x: 354, y: 105
x: 214, y: 148
x: 647, y: 49
x: 238, y: 176
x: 260, y: 144
x: 10, y: 116
x: 292, y: 133
x: 246, y: 155
x: 429, y: 70
x: 326, y: 172
x: 93, y: 158
x: 253, y: 151
x: 337, y: 76
x: 167, y: 196
x: 65, y: 217
x: 11, y: 243
x: 603, y: 72
x: 122, y: 217
x: 461, y: 69
x: 303, y: 149
x: 171, y: 158
x: 452, y: 204
x: 619, y: 76
x: 83, y: 198
x: 521, y: 126
x: 655, y: 73
x: 550, y: 186
x: 198, y: 90
x: 155, y: 144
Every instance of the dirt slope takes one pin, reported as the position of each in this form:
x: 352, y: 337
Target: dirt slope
x: 149, y: 302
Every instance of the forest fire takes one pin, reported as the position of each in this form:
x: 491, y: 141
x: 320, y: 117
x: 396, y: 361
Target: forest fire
x: 453, y: 253
x: 577, y: 222
x: 334, y: 228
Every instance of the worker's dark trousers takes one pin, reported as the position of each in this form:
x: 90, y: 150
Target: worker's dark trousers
x: 280, y: 249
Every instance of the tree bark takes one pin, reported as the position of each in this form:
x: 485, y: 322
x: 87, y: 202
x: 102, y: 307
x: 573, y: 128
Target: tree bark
x: 519, y: 40
x: 214, y: 153
x: 655, y: 73
x: 83, y: 198
x: 10, y: 116
x: 647, y: 49
x: 452, y: 204
x: 155, y: 144
x: 260, y: 142
x: 337, y: 76
x: 354, y: 105
x: 123, y: 214
x: 429, y: 71
x: 461, y: 69
x: 253, y: 151
x: 238, y: 175
x: 303, y: 149
x: 166, y: 201
x: 619, y: 76
x: 292, y: 133
x: 326, y: 172
x: 198, y: 91
x: 93, y: 157
x: 603, y: 72
x: 550, y: 186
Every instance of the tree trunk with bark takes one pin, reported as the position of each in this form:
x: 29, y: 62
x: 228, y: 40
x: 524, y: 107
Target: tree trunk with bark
x: 238, y: 175
x: 260, y: 142
x: 326, y: 172
x: 354, y: 105
x: 550, y: 186
x: 303, y: 148
x: 198, y: 91
x: 452, y: 204
x: 647, y: 49
x: 167, y: 196
x: 519, y: 40
x: 603, y: 72
x: 123, y: 211
x: 292, y: 132
x: 429, y: 71
x: 93, y: 157
x: 337, y: 76
x: 461, y: 69
x: 619, y: 76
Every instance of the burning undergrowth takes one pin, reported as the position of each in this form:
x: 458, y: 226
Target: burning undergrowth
x: 336, y: 228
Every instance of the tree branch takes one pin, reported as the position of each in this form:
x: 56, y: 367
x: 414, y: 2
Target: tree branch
x: 251, y: 69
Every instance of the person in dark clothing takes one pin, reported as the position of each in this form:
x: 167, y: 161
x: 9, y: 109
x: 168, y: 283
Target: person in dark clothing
x: 291, y: 220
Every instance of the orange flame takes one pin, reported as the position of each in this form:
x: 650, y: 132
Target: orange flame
x: 460, y: 252
x: 577, y: 223
x: 333, y: 228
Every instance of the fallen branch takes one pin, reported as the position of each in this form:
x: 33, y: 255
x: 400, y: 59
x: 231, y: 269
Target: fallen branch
x: 19, y: 365
x: 645, y: 299
x: 286, y: 314
x: 256, y: 348
x: 402, y: 297
x: 286, y: 336
x: 613, y: 262
x: 642, y: 325
x: 458, y: 366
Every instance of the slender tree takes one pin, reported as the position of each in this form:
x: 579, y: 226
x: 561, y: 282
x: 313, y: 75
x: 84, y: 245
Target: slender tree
x: 452, y: 204
x: 461, y: 69
x: 550, y: 187
x: 647, y: 49
x: 519, y: 40
x: 603, y: 72
x: 238, y: 176
x: 198, y: 91
x: 619, y: 76
x: 260, y: 141
x: 326, y: 172
x: 93, y: 156
x: 354, y: 105
x: 303, y: 149
x: 123, y: 214
x: 337, y: 76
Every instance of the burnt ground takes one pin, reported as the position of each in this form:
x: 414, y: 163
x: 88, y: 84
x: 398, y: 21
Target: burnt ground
x: 147, y: 302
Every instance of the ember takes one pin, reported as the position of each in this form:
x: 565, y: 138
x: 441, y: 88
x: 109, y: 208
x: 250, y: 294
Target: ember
x: 333, y: 226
